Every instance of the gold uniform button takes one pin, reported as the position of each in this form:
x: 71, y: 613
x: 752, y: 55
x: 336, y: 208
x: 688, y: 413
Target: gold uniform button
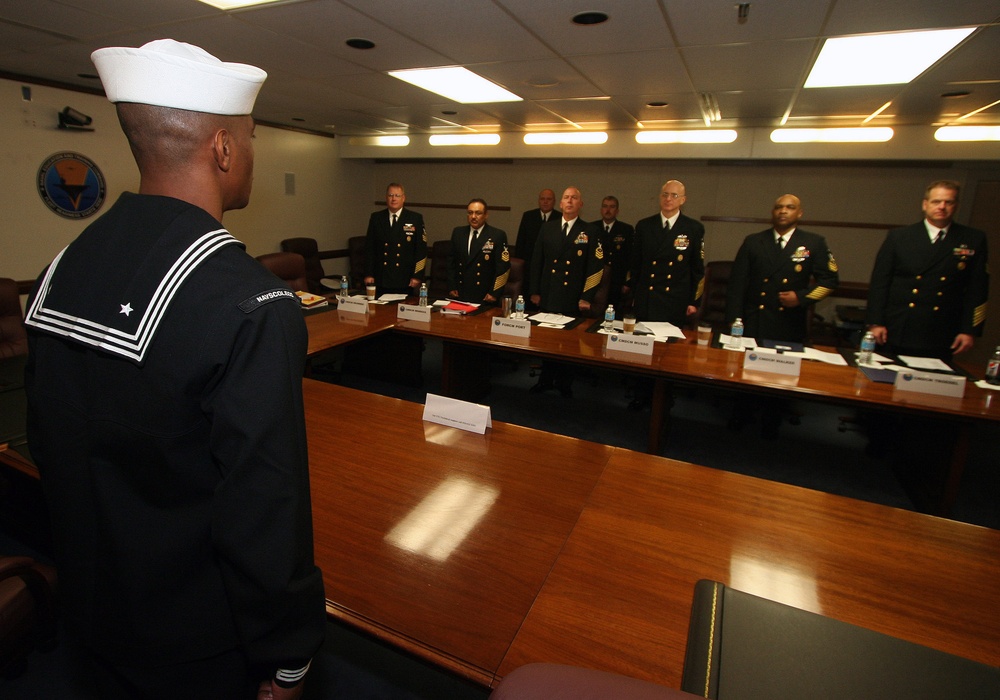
x: 650, y: 288
x: 654, y: 263
x: 936, y: 308
x: 920, y: 277
x: 669, y: 276
x: 943, y: 279
x: 761, y: 306
x: 763, y: 294
x: 766, y: 280
x: 916, y: 291
x: 784, y: 281
x: 911, y: 304
x: 670, y: 264
x: 940, y: 294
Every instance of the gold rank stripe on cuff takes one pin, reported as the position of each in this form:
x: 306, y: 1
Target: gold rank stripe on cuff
x: 701, y: 289
x: 501, y: 281
x: 420, y: 266
x: 819, y: 293
x: 979, y: 315
x: 593, y: 280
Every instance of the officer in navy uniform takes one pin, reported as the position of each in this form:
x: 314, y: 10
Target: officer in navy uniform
x: 930, y: 283
x: 566, y: 269
x: 616, y: 241
x: 778, y: 274
x: 527, y: 233
x: 668, y: 261
x: 480, y: 262
x: 568, y: 261
x: 395, y: 246
x: 165, y: 409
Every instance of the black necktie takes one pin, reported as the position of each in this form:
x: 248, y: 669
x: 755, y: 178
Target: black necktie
x: 565, y: 229
x: 940, y: 235
x: 607, y: 228
x: 393, y: 220
x: 781, y: 242
x: 666, y: 225
x: 473, y: 235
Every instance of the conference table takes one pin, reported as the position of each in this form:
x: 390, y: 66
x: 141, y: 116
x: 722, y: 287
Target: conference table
x: 483, y: 552
x: 468, y: 338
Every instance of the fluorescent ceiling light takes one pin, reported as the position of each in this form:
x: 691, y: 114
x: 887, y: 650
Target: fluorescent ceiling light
x: 687, y: 136
x: 456, y: 83
x: 395, y: 141
x: 569, y: 137
x: 881, y: 59
x: 237, y: 4
x: 968, y: 133
x: 464, y: 139
x: 869, y: 134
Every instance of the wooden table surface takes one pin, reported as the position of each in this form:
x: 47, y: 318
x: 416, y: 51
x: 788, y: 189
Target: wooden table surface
x: 435, y: 538
x: 619, y: 596
x: 481, y: 553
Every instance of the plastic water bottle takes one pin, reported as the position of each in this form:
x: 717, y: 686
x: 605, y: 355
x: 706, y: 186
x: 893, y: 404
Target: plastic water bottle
x: 423, y: 294
x: 343, y: 287
x: 867, y: 348
x: 993, y: 368
x: 519, y: 307
x: 609, y: 318
x: 736, y: 335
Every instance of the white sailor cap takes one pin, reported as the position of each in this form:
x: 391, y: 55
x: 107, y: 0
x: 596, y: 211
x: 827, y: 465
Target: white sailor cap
x: 169, y: 73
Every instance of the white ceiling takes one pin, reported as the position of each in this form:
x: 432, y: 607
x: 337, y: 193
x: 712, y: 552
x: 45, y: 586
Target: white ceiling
x: 601, y: 76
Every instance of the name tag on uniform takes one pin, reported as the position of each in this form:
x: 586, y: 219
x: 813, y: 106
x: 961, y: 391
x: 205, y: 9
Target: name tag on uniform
x: 930, y: 383
x: 410, y: 312
x: 520, y: 327
x: 638, y: 344
x: 775, y: 363
x: 353, y: 305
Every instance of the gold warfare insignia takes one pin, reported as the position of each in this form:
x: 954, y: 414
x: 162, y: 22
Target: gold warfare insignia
x: 505, y: 256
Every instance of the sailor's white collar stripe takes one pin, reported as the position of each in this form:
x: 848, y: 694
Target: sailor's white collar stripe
x: 131, y: 345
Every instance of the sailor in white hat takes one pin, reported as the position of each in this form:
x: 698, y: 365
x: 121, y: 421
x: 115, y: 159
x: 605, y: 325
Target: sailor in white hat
x: 165, y: 408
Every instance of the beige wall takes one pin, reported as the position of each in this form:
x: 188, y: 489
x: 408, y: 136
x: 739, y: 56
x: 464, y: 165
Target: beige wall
x: 324, y: 205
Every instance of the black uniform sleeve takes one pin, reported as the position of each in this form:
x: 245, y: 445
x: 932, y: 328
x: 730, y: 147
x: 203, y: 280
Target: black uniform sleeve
x: 825, y: 275
x: 262, y: 518
x: 881, y: 280
x: 738, y: 279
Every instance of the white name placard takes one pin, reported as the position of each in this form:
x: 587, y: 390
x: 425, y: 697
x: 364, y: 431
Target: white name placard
x: 930, y: 383
x: 520, y: 327
x: 774, y: 363
x: 638, y: 344
x: 410, y: 312
x: 353, y: 305
x: 473, y: 417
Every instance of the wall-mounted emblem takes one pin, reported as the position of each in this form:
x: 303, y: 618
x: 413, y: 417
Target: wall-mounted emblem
x: 71, y: 185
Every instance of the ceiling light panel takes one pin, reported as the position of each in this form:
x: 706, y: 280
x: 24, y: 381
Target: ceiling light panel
x: 881, y: 59
x: 456, y: 83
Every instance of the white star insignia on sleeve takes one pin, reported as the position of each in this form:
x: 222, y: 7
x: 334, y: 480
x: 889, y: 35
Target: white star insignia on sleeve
x: 126, y: 308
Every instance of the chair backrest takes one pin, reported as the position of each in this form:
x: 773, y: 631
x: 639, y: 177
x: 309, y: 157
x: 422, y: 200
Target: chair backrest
x: 712, y: 309
x: 437, y: 284
x: 515, y: 279
x: 309, y: 250
x: 356, y: 257
x: 13, y: 338
x: 290, y: 267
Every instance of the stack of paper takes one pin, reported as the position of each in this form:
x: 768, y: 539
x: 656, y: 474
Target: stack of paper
x: 311, y: 301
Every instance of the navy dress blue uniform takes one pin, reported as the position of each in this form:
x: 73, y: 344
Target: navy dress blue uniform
x: 164, y: 386
x: 617, y: 246
x: 926, y: 293
x: 395, y: 254
x: 482, y: 269
x: 527, y: 237
x: 668, y: 268
x: 762, y: 269
x: 566, y: 267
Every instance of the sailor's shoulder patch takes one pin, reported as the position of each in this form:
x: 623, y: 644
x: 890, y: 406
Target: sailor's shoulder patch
x: 256, y: 301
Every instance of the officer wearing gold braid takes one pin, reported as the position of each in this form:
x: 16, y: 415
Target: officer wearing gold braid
x: 567, y: 265
x: 778, y: 274
x: 930, y: 282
